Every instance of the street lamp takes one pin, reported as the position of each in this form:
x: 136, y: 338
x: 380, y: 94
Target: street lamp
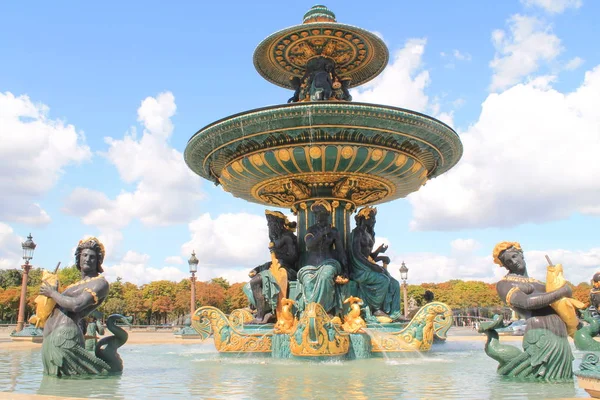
x: 404, y: 277
x: 193, y: 262
x: 28, y: 248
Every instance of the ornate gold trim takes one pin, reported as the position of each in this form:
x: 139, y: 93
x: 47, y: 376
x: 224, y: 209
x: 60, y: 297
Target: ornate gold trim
x: 85, y: 280
x: 433, y: 319
x: 509, y: 295
x: 522, y: 279
x: 228, y: 339
x: 94, y: 295
x: 308, y: 127
x: 312, y: 335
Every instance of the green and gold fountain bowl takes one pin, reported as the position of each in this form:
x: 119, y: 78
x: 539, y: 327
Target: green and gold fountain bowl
x: 354, y: 152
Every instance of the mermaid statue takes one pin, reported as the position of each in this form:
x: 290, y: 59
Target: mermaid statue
x: 320, y: 280
x: 376, y: 286
x: 546, y: 353
x: 63, y: 349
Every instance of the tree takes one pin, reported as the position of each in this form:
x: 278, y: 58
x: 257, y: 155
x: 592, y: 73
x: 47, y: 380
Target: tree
x: 134, y: 301
x: 210, y: 294
x: 10, y: 278
x: 181, y: 305
x: 221, y: 282
x: 581, y: 292
x: 9, y: 303
x: 68, y: 275
x: 35, y: 277
x: 157, y: 297
x: 237, y: 298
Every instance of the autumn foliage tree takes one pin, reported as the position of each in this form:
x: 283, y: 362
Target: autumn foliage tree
x: 166, y: 301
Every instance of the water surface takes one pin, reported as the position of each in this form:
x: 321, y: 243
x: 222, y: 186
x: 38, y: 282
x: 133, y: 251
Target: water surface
x: 453, y: 370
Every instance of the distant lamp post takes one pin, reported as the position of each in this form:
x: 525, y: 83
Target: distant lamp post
x: 404, y: 277
x: 193, y: 262
x: 28, y: 249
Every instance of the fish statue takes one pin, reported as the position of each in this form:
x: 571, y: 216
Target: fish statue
x: 43, y: 304
x: 565, y: 307
x: 353, y: 322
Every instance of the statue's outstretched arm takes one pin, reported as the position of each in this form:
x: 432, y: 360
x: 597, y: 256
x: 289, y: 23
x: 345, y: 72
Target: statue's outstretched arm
x: 78, y: 303
x: 517, y: 298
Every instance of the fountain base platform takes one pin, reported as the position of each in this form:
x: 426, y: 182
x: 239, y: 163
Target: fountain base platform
x: 316, y: 335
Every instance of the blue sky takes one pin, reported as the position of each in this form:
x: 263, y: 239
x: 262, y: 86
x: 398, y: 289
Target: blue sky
x: 97, y: 102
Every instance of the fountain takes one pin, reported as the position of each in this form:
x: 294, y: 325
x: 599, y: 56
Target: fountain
x: 323, y: 157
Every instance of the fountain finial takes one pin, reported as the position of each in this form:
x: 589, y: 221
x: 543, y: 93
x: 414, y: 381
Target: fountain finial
x: 318, y: 13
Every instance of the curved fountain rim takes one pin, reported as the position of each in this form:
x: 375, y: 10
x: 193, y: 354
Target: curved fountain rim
x: 323, y: 24
x: 292, y: 105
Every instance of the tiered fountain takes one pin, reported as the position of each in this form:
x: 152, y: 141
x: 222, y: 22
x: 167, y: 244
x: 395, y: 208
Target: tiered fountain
x: 323, y: 156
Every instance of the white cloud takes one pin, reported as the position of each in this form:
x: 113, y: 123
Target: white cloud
x: 553, y: 6
x: 579, y: 265
x: 519, y: 54
x: 465, y: 264
x: 531, y: 157
x: 166, y: 190
x: 460, y: 246
x: 174, y: 260
x: 461, y: 56
x: 229, y: 241
x: 574, y: 63
x: 134, y: 268
x: 458, y: 103
x: 402, y: 83
x: 34, y: 150
x: 10, y: 248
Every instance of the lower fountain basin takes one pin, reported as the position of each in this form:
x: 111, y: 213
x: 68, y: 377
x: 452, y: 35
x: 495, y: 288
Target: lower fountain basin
x: 457, y: 369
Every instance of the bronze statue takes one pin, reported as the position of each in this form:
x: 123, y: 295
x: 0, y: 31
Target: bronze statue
x: 326, y: 264
x: 376, y: 286
x: 63, y: 351
x: 320, y: 82
x: 92, y: 330
x: 595, y: 292
x: 547, y: 353
x: 584, y: 337
x: 263, y: 289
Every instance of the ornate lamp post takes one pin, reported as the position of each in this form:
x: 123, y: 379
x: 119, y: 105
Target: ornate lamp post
x: 28, y: 248
x: 404, y: 276
x: 193, y: 262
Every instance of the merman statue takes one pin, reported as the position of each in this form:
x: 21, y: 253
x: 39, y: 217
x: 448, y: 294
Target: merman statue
x: 63, y: 351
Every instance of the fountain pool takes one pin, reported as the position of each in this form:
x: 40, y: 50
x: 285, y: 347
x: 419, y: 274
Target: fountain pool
x: 452, y: 370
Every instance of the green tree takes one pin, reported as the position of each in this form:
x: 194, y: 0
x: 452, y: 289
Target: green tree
x: 68, y: 275
x: 10, y: 278
x: 35, y: 277
x: 221, y: 282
